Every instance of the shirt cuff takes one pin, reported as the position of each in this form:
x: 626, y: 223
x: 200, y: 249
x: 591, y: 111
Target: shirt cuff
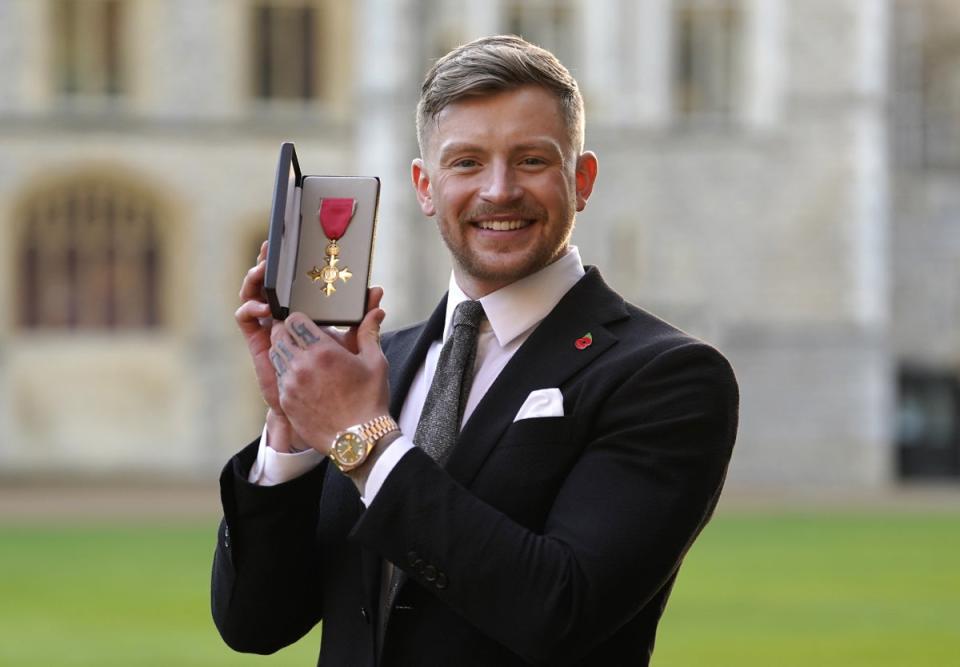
x: 382, y: 467
x: 273, y: 467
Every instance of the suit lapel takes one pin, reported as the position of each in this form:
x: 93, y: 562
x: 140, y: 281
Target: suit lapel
x: 546, y: 359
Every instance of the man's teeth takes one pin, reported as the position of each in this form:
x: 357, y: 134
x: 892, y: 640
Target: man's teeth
x: 502, y: 225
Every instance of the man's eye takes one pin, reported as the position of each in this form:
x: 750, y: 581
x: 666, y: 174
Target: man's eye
x: 533, y: 161
x: 466, y: 163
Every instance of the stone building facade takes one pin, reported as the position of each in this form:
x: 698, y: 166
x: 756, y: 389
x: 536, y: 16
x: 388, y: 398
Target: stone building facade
x: 925, y: 234
x: 747, y: 193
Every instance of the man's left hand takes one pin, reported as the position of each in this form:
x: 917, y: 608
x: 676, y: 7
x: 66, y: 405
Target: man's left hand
x: 325, y: 383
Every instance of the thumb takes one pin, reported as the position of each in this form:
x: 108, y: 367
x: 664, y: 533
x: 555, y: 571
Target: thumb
x: 368, y: 333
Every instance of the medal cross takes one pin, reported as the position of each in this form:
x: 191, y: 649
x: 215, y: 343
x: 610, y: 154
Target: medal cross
x: 329, y: 273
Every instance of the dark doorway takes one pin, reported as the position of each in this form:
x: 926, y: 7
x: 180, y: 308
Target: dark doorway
x: 928, y: 424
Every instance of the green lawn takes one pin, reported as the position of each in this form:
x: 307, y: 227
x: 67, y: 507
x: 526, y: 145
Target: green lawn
x: 827, y: 590
x: 838, y: 590
x: 109, y: 595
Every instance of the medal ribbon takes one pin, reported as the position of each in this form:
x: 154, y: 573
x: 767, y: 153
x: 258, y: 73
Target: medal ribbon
x: 335, y: 215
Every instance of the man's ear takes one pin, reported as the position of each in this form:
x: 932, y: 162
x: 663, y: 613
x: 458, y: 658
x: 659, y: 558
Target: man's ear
x: 421, y: 183
x: 586, y: 175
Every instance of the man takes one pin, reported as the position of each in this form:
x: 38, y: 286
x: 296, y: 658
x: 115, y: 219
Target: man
x: 588, y: 446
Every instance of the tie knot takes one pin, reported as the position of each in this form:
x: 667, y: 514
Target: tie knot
x: 469, y: 313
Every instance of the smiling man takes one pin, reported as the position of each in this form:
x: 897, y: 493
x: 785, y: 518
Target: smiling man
x: 515, y: 480
x: 504, y: 177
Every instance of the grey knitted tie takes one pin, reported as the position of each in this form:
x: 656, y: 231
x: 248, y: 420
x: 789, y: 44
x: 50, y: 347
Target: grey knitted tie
x: 439, y: 422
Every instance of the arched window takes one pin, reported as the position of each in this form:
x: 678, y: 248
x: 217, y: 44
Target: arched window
x: 89, y: 257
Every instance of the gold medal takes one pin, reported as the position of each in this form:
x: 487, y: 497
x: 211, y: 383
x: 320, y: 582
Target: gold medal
x: 335, y: 215
x: 329, y: 272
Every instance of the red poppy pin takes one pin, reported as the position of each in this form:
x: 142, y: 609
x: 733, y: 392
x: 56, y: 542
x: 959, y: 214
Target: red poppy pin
x: 584, y: 342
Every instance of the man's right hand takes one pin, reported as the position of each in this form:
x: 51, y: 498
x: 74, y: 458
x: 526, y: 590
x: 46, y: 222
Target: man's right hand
x: 254, y: 319
x: 255, y: 322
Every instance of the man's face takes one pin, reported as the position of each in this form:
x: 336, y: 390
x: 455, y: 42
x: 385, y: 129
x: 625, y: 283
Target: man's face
x: 504, y: 183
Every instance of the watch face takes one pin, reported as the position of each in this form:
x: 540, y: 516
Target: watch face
x: 349, y: 449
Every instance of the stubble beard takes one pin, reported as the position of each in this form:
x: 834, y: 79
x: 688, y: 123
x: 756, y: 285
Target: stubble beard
x: 538, y: 256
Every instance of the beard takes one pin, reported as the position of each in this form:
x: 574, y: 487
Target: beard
x: 484, y: 265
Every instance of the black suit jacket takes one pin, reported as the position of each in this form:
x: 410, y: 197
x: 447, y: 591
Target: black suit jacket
x: 549, y: 540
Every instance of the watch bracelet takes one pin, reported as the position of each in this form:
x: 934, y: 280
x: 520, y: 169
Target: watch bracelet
x: 378, y: 427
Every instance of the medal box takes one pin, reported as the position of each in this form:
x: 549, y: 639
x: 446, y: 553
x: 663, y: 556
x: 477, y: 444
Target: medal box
x: 320, y: 243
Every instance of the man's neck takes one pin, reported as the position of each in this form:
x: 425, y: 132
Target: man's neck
x: 477, y: 288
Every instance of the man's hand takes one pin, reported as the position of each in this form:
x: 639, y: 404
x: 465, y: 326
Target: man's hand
x: 253, y: 318
x: 328, y: 380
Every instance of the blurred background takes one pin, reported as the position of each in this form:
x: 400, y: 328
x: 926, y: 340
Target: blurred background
x: 778, y: 177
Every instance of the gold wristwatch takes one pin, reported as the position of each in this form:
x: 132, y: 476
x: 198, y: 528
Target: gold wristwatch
x: 352, y: 445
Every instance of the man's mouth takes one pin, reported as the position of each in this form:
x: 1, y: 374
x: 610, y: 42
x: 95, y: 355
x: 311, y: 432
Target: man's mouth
x: 502, y: 225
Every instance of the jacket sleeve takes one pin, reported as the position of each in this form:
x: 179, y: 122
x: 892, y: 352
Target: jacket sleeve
x: 266, y: 584
x: 652, y: 460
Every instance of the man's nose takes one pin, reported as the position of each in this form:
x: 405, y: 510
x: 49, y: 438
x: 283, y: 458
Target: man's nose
x: 501, y: 186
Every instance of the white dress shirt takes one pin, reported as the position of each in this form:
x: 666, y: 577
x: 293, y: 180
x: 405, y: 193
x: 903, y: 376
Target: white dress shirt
x: 512, y: 313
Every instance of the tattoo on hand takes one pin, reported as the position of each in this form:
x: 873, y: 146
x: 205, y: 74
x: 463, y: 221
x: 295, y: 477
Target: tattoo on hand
x: 305, y: 334
x: 284, y: 350
x: 278, y: 364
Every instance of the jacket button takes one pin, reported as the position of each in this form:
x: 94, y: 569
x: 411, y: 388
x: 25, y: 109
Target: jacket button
x: 430, y: 573
x: 365, y: 614
x: 441, y: 581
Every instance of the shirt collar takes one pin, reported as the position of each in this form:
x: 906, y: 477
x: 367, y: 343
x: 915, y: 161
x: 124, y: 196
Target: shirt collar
x: 514, y: 309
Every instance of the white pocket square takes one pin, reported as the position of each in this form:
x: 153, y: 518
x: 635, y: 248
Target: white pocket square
x: 541, y: 403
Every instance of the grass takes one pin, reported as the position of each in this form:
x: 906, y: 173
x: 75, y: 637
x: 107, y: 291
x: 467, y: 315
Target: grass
x: 112, y: 595
x: 827, y: 590
x: 843, y: 590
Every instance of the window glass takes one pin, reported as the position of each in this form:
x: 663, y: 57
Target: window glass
x: 706, y: 72
x: 286, y: 50
x: 89, y: 258
x: 88, y: 44
x: 546, y: 23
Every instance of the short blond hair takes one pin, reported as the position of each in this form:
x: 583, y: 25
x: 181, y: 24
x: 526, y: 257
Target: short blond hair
x: 494, y: 64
